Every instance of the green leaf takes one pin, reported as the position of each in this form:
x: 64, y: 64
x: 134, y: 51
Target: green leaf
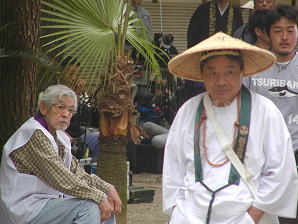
x: 90, y: 31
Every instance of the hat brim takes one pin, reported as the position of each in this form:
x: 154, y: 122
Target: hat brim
x: 187, y: 64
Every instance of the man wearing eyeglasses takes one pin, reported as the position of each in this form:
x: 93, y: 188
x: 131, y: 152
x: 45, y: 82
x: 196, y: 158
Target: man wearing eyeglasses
x: 41, y: 182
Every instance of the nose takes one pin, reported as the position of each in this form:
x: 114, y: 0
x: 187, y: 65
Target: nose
x: 221, y: 80
x: 284, y: 35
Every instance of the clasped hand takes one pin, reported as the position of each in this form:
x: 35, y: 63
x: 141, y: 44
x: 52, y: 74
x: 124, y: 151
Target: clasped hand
x: 111, y: 205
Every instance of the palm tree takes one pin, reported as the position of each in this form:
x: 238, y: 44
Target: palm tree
x: 95, y: 33
x: 19, y: 36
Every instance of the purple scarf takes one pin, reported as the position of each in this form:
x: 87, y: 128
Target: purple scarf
x: 38, y: 117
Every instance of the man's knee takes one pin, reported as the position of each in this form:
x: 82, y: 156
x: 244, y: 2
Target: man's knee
x: 159, y: 141
x: 91, y: 207
x: 148, y: 127
x: 89, y: 212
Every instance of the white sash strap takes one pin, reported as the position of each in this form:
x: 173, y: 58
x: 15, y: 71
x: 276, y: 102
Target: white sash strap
x: 227, y: 148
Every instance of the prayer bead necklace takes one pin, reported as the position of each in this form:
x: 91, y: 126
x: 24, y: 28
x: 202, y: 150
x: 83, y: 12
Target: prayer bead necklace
x: 203, y: 123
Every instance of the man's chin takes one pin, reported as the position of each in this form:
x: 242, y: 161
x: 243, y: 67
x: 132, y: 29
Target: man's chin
x: 285, y: 53
x: 62, y: 127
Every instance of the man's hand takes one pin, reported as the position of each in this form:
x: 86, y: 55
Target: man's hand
x: 255, y: 213
x: 115, y: 201
x: 106, y: 210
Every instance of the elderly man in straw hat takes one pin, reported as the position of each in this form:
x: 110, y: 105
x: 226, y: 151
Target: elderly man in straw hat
x: 229, y: 156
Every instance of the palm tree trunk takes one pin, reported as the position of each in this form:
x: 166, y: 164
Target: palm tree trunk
x: 21, y: 20
x: 112, y: 167
x: 115, y: 108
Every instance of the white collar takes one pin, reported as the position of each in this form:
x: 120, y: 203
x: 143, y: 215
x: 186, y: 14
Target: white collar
x: 222, y: 11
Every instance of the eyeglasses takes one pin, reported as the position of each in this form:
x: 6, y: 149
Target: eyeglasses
x: 60, y: 108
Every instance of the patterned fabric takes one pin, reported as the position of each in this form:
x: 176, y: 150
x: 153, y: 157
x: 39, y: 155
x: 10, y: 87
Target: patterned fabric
x: 61, y: 148
x: 212, y: 19
x: 38, y: 158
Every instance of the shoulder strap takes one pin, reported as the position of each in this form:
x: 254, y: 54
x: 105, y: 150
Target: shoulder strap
x: 227, y: 148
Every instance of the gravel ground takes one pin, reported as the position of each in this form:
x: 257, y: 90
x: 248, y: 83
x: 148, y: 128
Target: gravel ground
x: 151, y: 213
x: 147, y: 213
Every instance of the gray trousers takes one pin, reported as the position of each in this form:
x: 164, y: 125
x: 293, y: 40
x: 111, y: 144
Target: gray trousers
x: 70, y: 211
x: 158, y: 134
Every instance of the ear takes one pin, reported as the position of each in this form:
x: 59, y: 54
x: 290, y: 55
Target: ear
x: 258, y: 31
x: 43, y: 108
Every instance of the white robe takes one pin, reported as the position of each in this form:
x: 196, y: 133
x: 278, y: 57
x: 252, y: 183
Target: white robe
x: 269, y: 159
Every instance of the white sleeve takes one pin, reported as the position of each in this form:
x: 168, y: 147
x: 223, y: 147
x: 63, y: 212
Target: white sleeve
x: 173, y: 167
x: 278, y: 190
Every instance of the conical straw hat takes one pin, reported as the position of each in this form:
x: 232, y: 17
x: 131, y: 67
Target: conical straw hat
x: 187, y: 64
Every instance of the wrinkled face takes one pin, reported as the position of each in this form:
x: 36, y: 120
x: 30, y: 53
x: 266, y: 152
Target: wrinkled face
x: 283, y: 37
x: 222, y: 77
x: 264, y: 4
x: 59, y: 114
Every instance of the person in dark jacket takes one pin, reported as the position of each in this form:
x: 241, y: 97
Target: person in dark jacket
x: 212, y: 17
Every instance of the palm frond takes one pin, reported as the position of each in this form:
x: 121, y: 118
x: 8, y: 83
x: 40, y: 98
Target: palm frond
x: 90, y: 31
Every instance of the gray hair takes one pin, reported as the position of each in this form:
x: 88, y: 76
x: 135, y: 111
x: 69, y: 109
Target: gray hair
x: 54, y: 93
